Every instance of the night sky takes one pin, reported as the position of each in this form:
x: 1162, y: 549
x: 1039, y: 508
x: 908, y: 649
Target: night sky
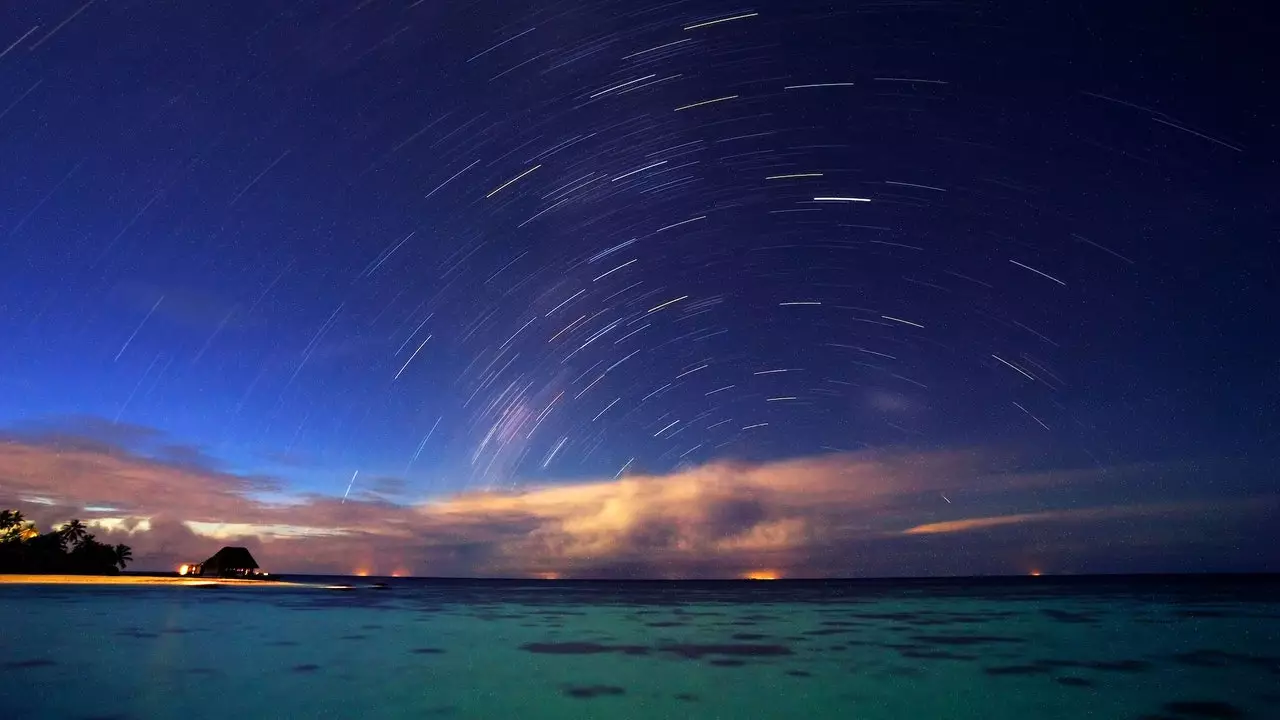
x: 644, y: 289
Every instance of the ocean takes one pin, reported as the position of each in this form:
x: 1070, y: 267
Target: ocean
x: 1178, y: 648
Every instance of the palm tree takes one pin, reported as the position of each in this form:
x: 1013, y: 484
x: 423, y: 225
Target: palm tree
x: 74, y: 531
x: 10, y: 518
x: 123, y: 555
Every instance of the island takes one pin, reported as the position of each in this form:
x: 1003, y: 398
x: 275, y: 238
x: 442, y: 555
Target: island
x: 71, y: 555
x: 68, y: 550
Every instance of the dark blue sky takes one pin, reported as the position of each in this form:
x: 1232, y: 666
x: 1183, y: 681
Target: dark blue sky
x: 474, y: 245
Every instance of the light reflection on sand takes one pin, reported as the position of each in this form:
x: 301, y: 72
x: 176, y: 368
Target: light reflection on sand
x: 131, y: 580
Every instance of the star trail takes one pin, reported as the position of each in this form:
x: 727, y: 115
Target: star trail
x: 435, y: 248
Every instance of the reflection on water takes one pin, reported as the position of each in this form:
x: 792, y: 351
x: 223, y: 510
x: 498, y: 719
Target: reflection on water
x: 1030, y: 648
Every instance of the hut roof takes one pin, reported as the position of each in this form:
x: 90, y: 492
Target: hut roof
x: 232, y: 558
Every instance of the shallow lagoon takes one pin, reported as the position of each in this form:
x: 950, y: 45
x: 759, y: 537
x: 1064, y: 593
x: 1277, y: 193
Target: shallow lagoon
x: 1177, y: 648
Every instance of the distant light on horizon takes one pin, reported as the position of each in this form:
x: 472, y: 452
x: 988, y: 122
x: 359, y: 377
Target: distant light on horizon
x: 762, y: 575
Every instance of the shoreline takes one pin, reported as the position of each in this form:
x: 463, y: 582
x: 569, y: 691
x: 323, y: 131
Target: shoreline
x: 135, y: 580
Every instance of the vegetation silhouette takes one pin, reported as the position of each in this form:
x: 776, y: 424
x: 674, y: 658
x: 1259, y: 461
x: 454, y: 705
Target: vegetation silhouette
x: 70, y: 549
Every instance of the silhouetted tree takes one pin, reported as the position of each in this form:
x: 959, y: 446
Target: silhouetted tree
x: 74, y: 531
x: 92, y: 557
x: 10, y: 519
x: 124, y: 555
x: 45, y: 553
x: 70, y: 549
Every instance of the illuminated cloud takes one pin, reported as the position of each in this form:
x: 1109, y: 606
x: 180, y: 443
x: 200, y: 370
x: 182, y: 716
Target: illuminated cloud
x: 847, y: 514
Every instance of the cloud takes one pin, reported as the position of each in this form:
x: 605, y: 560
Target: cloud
x: 982, y: 523
x: 1083, y: 514
x: 874, y: 513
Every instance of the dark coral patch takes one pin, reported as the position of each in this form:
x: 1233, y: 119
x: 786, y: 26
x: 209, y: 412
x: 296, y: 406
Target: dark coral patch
x: 899, y: 616
x: 726, y: 662
x: 354, y: 637
x: 1204, y: 613
x: 567, y: 648
x: 1066, y: 616
x: 966, y: 639
x: 1131, y: 666
x: 695, y: 652
x: 1219, y: 658
x: 306, y: 668
x: 799, y: 673
x: 935, y: 655
x: 582, y: 648
x: 1126, y: 666
x: 593, y: 691
x: 1072, y: 681
x: 686, y: 697
x: 748, y: 636
x: 1205, y: 658
x: 1016, y: 670
x: 32, y: 663
x: 665, y: 624
x: 426, y: 651
x: 1206, y: 709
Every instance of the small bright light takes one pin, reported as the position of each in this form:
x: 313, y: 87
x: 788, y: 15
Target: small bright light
x: 362, y: 573
x: 548, y: 576
x: 1035, y: 573
x: 762, y: 575
x: 183, y: 569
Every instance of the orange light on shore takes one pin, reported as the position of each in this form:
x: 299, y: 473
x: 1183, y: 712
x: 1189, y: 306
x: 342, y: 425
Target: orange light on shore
x: 548, y: 576
x: 362, y: 572
x: 184, y: 569
x: 1035, y: 573
x: 762, y: 575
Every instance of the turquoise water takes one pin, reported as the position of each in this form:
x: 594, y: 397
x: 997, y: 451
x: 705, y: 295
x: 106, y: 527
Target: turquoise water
x: 1034, y: 648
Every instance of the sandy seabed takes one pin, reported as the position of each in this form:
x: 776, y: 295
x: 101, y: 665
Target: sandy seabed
x: 130, y: 580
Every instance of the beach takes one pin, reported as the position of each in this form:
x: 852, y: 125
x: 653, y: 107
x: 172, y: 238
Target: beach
x: 177, y: 581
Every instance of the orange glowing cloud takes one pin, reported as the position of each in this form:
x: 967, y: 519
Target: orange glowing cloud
x: 1083, y: 514
x: 982, y: 523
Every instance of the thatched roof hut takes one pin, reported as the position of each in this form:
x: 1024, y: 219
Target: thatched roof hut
x: 230, y: 561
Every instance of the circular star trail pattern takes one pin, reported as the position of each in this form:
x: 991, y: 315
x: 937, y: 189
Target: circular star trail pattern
x: 477, y: 244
